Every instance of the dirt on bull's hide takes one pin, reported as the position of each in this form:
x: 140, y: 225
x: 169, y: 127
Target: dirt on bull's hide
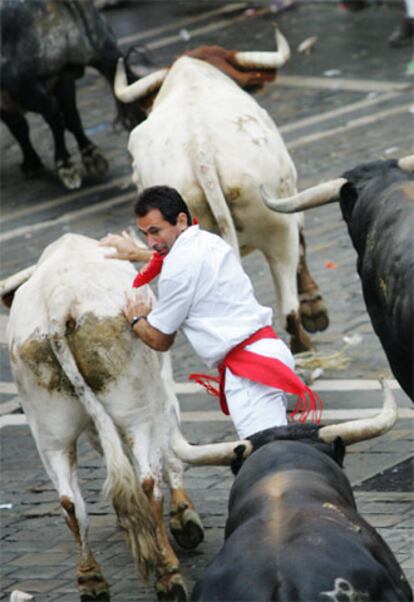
x: 232, y: 194
x: 102, y: 348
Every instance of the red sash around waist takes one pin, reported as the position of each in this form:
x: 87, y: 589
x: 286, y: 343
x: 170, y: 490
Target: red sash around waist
x: 265, y: 370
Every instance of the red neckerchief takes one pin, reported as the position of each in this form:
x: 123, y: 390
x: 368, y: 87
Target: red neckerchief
x: 152, y: 268
x: 149, y: 271
x: 265, y: 370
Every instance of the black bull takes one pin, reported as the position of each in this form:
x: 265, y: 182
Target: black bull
x: 293, y: 534
x: 377, y: 203
x: 46, y: 45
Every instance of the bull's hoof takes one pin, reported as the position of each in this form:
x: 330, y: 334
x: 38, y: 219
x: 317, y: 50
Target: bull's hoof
x: 299, y: 344
x: 186, y: 527
x: 69, y: 174
x: 93, y: 588
x: 313, y: 312
x: 94, y: 161
x: 171, y: 588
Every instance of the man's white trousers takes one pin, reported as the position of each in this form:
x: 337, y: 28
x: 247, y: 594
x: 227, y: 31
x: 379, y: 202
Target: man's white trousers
x: 254, y: 407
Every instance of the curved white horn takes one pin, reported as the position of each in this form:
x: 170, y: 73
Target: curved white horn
x: 266, y: 60
x: 140, y: 88
x: 13, y: 282
x: 365, y: 428
x: 212, y: 454
x: 406, y: 163
x: 325, y: 193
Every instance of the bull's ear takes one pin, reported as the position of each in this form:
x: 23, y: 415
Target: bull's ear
x: 339, y: 450
x: 238, y: 460
x: 348, y: 198
x: 7, y: 298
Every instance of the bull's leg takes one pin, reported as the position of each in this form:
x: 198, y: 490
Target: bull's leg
x: 61, y: 468
x: 169, y: 582
x: 93, y: 159
x: 39, y: 101
x: 18, y: 126
x: 313, y: 310
x: 281, y: 249
x: 185, y: 524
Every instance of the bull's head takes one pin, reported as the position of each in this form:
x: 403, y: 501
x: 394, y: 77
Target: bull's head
x: 236, y: 452
x: 244, y: 61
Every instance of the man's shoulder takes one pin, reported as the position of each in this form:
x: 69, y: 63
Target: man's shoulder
x: 212, y: 238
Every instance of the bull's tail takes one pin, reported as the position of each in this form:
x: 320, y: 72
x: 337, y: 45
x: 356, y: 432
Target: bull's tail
x: 121, y: 486
x: 208, y: 179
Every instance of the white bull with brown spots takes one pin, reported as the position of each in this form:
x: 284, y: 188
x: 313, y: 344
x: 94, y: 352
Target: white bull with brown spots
x: 79, y: 368
x: 209, y: 139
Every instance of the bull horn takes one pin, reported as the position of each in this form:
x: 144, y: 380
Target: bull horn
x: 266, y: 60
x: 406, y: 163
x: 212, y: 454
x: 364, y: 428
x: 13, y: 282
x: 129, y: 92
x: 325, y: 193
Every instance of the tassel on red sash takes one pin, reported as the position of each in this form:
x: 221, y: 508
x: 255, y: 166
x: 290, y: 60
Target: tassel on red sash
x: 267, y: 371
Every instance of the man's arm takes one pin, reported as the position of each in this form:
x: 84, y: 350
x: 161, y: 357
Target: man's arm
x: 151, y: 336
x: 125, y: 247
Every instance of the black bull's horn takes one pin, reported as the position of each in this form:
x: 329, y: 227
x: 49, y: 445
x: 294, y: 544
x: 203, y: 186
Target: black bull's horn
x: 350, y: 432
x: 150, y: 83
x: 322, y: 194
x: 364, y: 428
x: 406, y: 163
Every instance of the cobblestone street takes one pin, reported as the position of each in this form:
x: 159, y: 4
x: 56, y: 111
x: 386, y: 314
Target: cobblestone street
x: 349, y: 101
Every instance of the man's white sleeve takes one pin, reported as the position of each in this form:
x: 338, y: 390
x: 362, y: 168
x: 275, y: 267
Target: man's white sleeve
x: 172, y: 306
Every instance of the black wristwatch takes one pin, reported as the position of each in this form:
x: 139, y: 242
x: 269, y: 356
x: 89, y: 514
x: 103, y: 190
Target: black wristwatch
x: 135, y: 320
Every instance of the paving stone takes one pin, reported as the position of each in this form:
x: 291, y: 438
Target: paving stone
x: 384, y: 520
x: 384, y: 507
x: 39, y: 559
x: 38, y: 585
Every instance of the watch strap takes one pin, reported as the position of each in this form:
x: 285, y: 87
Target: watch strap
x: 134, y: 320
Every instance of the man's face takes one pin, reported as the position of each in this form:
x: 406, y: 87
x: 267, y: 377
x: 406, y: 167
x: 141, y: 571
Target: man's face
x: 160, y: 234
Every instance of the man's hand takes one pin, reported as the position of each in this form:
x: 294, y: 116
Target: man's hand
x: 135, y: 307
x: 125, y: 247
x: 151, y: 336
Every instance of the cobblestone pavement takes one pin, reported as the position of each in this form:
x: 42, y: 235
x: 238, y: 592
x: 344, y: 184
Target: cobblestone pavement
x: 348, y: 101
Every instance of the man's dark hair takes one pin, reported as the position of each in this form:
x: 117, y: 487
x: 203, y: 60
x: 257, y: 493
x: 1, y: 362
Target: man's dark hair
x: 167, y: 200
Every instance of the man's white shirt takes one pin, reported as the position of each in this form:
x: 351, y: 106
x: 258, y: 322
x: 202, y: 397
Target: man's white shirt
x: 204, y: 291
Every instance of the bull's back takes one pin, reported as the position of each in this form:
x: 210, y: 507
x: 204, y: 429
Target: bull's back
x: 43, y: 38
x: 292, y: 536
x: 319, y: 560
x: 201, y: 111
x: 74, y: 290
x: 382, y: 233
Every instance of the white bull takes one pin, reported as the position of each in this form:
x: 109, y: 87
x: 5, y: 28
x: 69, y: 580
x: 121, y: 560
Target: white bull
x: 79, y: 367
x: 210, y: 140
